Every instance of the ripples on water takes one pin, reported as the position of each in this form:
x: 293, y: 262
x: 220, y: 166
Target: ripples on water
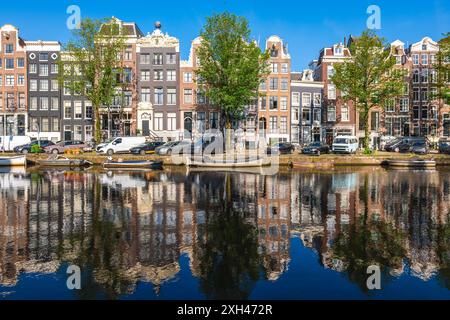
x: 216, y: 235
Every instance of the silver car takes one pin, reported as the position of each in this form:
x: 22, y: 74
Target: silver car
x: 166, y: 149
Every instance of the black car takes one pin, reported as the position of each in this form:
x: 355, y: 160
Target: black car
x: 392, y: 145
x: 418, y: 147
x: 444, y: 146
x: 281, y: 148
x: 26, y: 148
x: 146, y: 148
x: 401, y: 144
x: 316, y: 148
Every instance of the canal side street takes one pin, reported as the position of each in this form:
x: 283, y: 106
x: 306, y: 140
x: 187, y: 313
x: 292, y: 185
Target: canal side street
x: 328, y: 160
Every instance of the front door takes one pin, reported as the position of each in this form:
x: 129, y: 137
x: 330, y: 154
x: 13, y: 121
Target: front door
x: 188, y: 127
x: 145, y: 127
x: 67, y: 135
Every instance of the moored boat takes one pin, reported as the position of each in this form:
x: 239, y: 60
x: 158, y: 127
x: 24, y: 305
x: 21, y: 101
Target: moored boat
x: 133, y: 164
x: 60, y: 161
x: 13, y: 161
x: 411, y: 163
x: 227, y: 163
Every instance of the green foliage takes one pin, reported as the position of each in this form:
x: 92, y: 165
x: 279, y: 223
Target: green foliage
x: 368, y: 151
x: 232, y: 66
x: 369, y: 78
x: 443, y: 70
x: 91, y: 62
x: 36, y: 149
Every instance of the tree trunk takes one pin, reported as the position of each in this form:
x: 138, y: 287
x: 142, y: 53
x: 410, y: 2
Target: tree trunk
x: 98, y: 135
x: 366, y: 127
x: 228, y: 145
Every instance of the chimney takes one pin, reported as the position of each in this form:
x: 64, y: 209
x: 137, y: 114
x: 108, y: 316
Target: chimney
x: 345, y: 42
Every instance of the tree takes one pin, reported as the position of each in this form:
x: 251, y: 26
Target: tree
x: 369, y: 77
x: 232, y: 66
x: 90, y: 65
x: 443, y: 70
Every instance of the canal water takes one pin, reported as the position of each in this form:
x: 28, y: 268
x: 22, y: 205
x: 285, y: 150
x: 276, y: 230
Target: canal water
x: 225, y: 235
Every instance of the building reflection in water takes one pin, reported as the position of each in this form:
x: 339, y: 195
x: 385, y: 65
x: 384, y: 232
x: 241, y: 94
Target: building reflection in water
x: 236, y: 228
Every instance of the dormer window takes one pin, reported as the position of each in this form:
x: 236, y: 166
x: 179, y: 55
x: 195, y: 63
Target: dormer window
x: 338, y: 50
x: 274, y: 51
x: 424, y: 47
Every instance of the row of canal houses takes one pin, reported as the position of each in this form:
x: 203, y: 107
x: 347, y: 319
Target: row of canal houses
x: 162, y: 99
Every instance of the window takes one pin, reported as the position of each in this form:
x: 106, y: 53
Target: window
x: 295, y: 99
x: 159, y: 96
x: 9, y: 80
x: 433, y: 76
x: 54, y: 68
x: 43, y: 85
x: 145, y: 75
x: 33, y: 103
x: 89, y: 111
x: 390, y: 105
x: 171, y: 95
x: 54, y: 103
x: 43, y: 70
x: 67, y: 110
x: 424, y: 94
x: 284, y: 68
x: 424, y: 113
x: 331, y: 114
x: 345, y: 114
x: 284, y: 84
x: 416, y: 112
x: 416, y: 93
x: 128, y: 56
x: 44, y: 125
x: 201, y: 99
x: 88, y: 134
x: 187, y: 77
x: 424, y: 59
x: 67, y: 90
x: 283, y: 124
x: 273, y: 124
x: 433, y: 93
x: 433, y: 59
x: 274, y: 67
x: 331, y: 92
x: 9, y: 63
x: 283, y: 102
x: 406, y: 89
x: 78, y: 133
x: 404, y: 105
x: 9, y: 48
x: 32, y: 68
x: 55, y: 85
x: 158, y: 75
x: 317, y: 99
x: 415, y: 59
x: 317, y: 115
x: 171, y: 58
x: 171, y: 75
x: 273, y: 103
x: 262, y: 103
x: 55, y: 124
x: 201, y: 121
x: 330, y: 71
x: 22, y: 102
x: 20, y: 62
x: 157, y: 59
x: 145, y: 58
x: 424, y: 77
x: 78, y: 109
x: 306, y: 99
x: 263, y: 86
x: 306, y: 116
x: 44, y: 103
x: 43, y: 56
x: 187, y: 95
x: 338, y: 51
x: 416, y: 76
x: 214, y: 120
x: 171, y: 121
x: 20, y: 79
x: 158, y: 121
x: 145, y: 94
x: 273, y: 84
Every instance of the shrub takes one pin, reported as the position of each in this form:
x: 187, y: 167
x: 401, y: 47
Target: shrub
x: 36, y: 149
x: 73, y: 151
x: 368, y: 151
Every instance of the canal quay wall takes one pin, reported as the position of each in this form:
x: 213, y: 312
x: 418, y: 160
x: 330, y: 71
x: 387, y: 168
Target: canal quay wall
x: 327, y: 160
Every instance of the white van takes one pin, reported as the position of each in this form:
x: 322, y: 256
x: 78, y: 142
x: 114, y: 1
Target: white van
x: 121, y: 145
x: 345, y: 144
x: 8, y: 143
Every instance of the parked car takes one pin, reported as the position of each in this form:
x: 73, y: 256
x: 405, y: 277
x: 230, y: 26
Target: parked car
x: 188, y: 147
x: 27, y: 147
x: 121, y: 145
x: 444, y: 145
x: 166, y: 149
x: 8, y: 143
x: 345, y: 144
x: 392, y: 145
x: 146, y: 148
x: 401, y: 143
x: 62, y: 146
x: 281, y: 148
x: 418, y: 147
x: 316, y: 148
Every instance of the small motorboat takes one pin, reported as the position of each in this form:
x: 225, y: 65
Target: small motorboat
x: 60, y: 161
x: 227, y: 163
x: 132, y: 164
x: 411, y: 163
x: 13, y: 161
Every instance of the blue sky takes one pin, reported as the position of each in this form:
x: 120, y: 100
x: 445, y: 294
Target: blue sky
x: 307, y: 26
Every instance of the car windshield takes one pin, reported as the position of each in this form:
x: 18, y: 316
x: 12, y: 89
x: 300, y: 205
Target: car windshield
x: 341, y: 140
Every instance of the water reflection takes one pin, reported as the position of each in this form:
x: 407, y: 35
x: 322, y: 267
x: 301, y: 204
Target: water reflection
x: 237, y: 229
